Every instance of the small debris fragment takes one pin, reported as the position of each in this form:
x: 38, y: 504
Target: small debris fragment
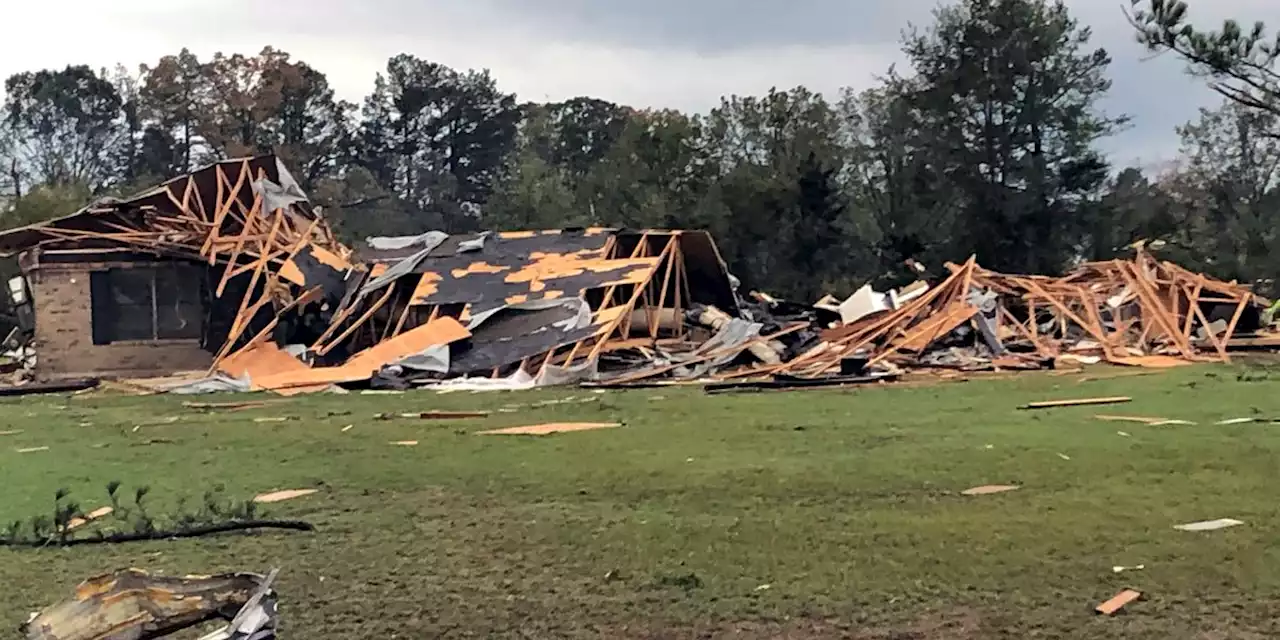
x: 281, y: 496
x: 433, y: 415
x: 32, y: 449
x: 1117, y: 603
x: 1124, y: 434
x: 548, y: 429
x: 1052, y: 404
x: 1119, y: 569
x: 1064, y: 456
x: 1209, y: 525
x: 1170, y: 423
x: 1134, y: 419
x: 989, y: 489
x: 764, y: 587
x: 96, y: 514
x: 406, y: 443
x: 11, y: 433
x: 1237, y: 421
x: 277, y: 419
x: 348, y: 428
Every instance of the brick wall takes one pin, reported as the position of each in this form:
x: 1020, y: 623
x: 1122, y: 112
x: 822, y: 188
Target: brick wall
x: 64, y: 332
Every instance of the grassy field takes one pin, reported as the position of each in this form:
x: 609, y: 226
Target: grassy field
x: 806, y: 514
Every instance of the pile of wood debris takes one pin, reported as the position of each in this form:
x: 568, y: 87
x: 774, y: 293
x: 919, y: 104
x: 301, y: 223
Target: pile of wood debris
x: 1137, y: 312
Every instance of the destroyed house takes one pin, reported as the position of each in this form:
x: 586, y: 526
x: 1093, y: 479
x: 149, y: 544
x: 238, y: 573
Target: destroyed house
x: 154, y: 283
x: 230, y: 271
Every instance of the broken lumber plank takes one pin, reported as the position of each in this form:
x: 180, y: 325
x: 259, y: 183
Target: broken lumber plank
x: 1080, y: 402
x: 1118, y: 602
x: 1136, y: 419
x: 433, y: 415
x: 990, y: 489
x: 548, y: 429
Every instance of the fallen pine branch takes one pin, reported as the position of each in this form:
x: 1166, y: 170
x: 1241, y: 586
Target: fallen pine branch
x: 195, y: 532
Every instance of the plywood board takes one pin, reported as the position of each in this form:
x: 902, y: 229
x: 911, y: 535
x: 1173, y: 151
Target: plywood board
x: 548, y: 429
x: 440, y: 331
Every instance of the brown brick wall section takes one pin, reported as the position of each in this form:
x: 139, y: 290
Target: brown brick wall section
x: 64, y: 332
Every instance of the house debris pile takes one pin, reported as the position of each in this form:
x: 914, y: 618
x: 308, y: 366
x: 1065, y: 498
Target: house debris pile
x: 232, y: 273
x: 1138, y: 312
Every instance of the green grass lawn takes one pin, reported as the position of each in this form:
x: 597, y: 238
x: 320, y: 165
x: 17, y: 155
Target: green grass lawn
x: 805, y: 514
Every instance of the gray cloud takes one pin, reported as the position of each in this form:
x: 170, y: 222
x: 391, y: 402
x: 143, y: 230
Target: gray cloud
x: 661, y: 53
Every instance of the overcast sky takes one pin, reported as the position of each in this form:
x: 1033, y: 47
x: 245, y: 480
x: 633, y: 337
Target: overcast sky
x: 660, y: 53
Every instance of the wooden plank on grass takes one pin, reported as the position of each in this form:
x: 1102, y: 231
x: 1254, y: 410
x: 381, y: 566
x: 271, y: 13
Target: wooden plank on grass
x: 1117, y: 603
x: 1080, y: 402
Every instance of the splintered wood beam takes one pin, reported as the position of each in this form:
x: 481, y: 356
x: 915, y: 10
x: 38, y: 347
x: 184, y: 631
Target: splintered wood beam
x: 1151, y: 303
x: 679, y: 301
x: 201, y: 210
x: 220, y: 206
x: 1090, y: 305
x: 404, y: 315
x: 655, y: 321
x: 305, y: 298
x: 322, y: 351
x: 243, y: 318
x: 235, y: 253
x: 629, y: 307
x: 1193, y: 302
x: 1235, y: 320
x: 392, y: 323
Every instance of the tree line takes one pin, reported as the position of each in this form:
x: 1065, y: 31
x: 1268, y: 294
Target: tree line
x: 986, y: 143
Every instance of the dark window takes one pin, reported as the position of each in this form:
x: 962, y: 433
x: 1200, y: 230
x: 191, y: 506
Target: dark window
x: 147, y: 303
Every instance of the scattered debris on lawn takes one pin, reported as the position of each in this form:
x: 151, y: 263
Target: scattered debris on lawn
x: 1114, y: 605
x: 548, y: 429
x: 1080, y: 402
x: 1064, y: 456
x: 1120, y: 569
x: 405, y: 443
x: 134, y: 604
x: 348, y: 428
x: 1124, y: 434
x: 281, y: 496
x: 433, y: 415
x: 32, y: 449
x: 990, y: 489
x: 72, y: 527
x: 1209, y: 525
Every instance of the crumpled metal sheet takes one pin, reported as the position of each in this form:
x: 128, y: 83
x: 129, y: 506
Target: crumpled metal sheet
x: 134, y: 605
